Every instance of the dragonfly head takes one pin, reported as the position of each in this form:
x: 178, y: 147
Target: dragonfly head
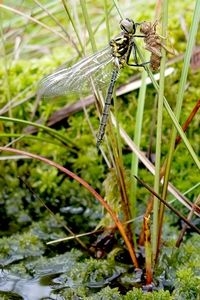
x: 128, y: 26
x: 148, y: 28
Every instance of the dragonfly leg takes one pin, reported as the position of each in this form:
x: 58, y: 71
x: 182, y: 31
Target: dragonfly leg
x: 134, y: 48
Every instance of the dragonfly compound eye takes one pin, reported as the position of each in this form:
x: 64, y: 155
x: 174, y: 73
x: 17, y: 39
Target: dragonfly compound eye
x: 128, y: 25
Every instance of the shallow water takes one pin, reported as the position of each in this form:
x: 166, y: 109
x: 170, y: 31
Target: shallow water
x: 27, y: 289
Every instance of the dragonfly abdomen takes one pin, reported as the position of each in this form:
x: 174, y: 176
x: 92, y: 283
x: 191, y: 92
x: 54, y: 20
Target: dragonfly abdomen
x: 106, y: 109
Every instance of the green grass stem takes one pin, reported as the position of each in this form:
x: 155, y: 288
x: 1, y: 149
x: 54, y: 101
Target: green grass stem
x: 49, y: 130
x: 159, y: 128
x: 88, y: 25
x: 179, y: 100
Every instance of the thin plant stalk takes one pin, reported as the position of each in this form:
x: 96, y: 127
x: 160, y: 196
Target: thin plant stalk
x: 51, y: 15
x: 88, y: 25
x: 117, y: 158
x: 137, y: 139
x: 49, y: 130
x: 54, y: 216
x: 118, y: 8
x: 156, y: 203
x: 188, y: 53
x: 188, y: 121
x: 172, y: 116
x: 34, y: 20
x: 148, y: 250
x: 73, y: 25
x: 163, y: 167
x: 125, y: 203
x: 180, y: 216
x: 106, y: 13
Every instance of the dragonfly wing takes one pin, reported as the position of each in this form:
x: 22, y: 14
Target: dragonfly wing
x: 78, y: 77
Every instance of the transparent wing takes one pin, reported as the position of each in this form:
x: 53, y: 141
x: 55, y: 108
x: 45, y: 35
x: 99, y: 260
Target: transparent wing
x: 78, y: 77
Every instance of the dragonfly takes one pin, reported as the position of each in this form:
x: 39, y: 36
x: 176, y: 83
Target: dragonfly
x: 95, y: 69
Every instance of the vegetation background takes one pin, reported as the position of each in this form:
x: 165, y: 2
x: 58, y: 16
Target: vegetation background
x: 38, y: 203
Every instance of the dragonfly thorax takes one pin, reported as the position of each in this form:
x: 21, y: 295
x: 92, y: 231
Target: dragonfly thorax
x: 120, y: 49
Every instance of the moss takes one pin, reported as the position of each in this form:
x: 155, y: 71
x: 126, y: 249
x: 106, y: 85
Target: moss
x: 187, y: 284
x: 23, y: 245
x: 8, y: 296
x: 106, y: 293
x: 71, y: 274
x: 138, y: 294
